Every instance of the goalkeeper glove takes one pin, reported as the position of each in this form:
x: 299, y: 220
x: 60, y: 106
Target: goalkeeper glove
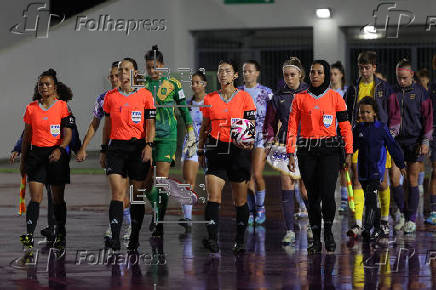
x: 191, y: 142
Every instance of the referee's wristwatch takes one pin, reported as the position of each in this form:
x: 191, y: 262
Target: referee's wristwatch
x: 200, y: 152
x: 149, y: 144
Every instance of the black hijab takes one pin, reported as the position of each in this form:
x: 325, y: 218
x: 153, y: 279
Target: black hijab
x: 326, y: 84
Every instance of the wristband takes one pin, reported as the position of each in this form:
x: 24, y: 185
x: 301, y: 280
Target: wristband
x: 104, y: 148
x: 200, y: 152
x: 149, y: 144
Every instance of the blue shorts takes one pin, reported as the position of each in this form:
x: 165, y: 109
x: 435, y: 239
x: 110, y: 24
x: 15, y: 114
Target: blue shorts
x: 410, y: 151
x: 259, y: 140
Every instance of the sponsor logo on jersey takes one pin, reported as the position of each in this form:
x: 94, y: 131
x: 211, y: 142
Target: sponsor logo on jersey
x: 412, y: 96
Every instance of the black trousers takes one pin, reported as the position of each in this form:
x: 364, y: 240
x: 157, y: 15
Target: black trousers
x: 372, y: 209
x: 319, y: 168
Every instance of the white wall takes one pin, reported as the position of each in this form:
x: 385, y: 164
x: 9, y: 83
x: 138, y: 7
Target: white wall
x: 82, y: 58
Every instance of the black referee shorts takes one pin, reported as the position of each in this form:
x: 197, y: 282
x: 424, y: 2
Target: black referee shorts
x: 227, y: 161
x: 124, y: 157
x: 39, y: 169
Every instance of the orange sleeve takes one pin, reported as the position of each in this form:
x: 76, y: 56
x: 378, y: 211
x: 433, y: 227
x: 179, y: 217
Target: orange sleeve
x: 106, y: 103
x: 344, y: 124
x: 294, y: 120
x: 150, y: 101
x: 26, y: 117
x: 65, y: 111
x: 205, y: 110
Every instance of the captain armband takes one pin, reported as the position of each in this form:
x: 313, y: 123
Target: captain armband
x: 68, y: 122
x: 250, y: 115
x: 342, y: 116
x: 150, y: 113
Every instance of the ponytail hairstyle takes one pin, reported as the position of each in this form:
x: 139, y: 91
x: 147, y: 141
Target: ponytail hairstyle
x: 49, y: 73
x: 154, y: 54
x: 295, y: 62
x: 404, y: 63
x: 338, y: 65
x: 64, y: 93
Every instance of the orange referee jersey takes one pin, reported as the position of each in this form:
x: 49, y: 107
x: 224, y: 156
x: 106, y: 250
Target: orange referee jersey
x: 318, y: 117
x: 46, y: 123
x: 127, y: 112
x: 221, y: 112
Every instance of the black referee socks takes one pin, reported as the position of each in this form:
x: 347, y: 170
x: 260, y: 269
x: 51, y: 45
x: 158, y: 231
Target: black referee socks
x: 137, y: 212
x: 212, y: 213
x: 116, y: 218
x: 242, y: 213
x: 60, y: 213
x: 32, y: 215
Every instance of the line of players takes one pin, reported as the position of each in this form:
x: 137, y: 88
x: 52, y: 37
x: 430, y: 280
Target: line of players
x: 145, y: 145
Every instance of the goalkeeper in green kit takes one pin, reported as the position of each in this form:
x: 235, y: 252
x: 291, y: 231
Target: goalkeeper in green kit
x: 168, y: 93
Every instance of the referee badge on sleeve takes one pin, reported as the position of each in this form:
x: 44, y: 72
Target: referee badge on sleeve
x: 55, y: 130
x: 327, y: 120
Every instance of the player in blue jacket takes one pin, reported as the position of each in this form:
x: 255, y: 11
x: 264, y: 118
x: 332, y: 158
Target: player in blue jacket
x: 371, y: 137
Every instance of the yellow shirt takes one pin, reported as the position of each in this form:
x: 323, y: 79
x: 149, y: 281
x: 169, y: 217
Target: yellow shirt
x: 366, y: 89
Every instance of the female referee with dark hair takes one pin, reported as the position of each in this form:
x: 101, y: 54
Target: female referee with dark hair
x: 129, y: 124
x: 64, y: 93
x: 319, y: 109
x: 47, y: 133
x: 224, y: 159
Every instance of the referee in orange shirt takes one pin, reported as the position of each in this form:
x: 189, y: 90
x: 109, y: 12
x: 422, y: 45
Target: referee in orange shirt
x: 129, y: 124
x: 319, y: 149
x: 47, y: 133
x: 224, y: 159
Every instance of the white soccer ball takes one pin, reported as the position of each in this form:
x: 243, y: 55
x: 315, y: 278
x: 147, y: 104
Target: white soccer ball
x: 242, y: 132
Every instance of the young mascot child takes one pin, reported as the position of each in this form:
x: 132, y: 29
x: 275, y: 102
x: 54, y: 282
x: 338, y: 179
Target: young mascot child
x: 371, y: 137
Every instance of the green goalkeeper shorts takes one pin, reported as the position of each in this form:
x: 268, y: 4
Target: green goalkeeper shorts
x: 164, y: 151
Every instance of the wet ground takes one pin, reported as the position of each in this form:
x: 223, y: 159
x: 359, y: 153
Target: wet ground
x: 180, y: 262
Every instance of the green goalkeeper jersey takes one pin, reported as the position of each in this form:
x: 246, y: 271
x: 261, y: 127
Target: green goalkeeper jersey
x: 168, y: 93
